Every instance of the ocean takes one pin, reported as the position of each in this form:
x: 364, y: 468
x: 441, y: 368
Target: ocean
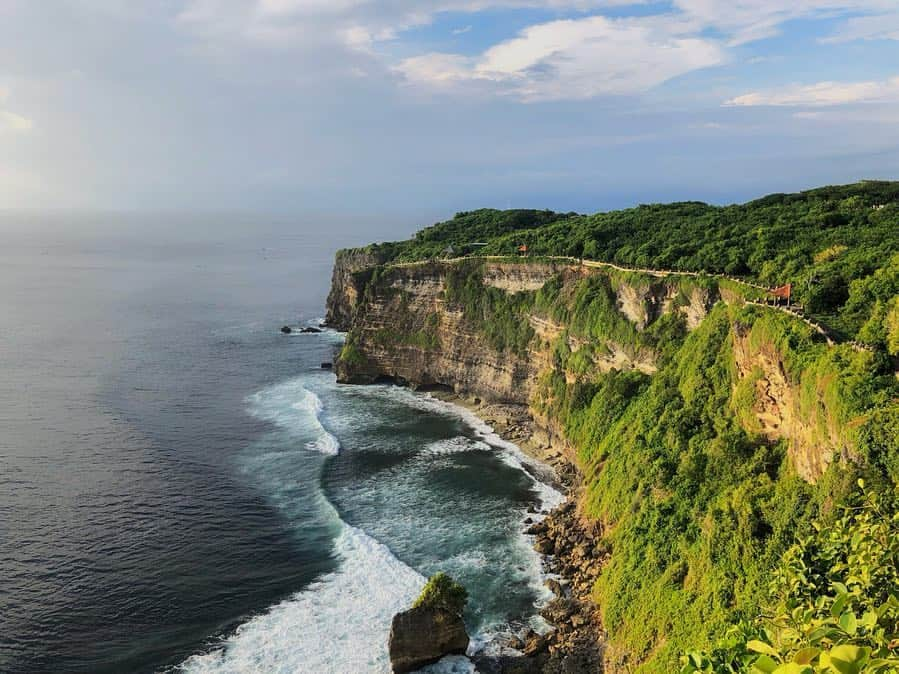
x: 184, y: 488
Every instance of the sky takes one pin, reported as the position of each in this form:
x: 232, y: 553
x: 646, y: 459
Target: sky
x: 420, y: 108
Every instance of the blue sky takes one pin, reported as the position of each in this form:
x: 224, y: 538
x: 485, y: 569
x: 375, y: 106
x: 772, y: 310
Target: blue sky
x: 419, y: 108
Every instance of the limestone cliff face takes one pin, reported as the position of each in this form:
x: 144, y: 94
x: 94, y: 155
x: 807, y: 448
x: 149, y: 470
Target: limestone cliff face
x: 643, y: 302
x: 346, y: 287
x: 814, y: 438
x: 402, y: 328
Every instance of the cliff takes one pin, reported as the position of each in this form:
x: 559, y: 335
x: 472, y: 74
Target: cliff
x: 346, y: 287
x: 405, y: 325
x: 705, y: 427
x: 405, y: 330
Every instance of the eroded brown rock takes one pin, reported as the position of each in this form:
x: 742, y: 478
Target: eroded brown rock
x: 423, y: 635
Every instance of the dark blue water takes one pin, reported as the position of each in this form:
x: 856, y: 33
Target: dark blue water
x: 183, y: 486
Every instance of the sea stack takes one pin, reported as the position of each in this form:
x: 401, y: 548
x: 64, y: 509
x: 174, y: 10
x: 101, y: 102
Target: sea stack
x: 422, y: 636
x: 431, y: 629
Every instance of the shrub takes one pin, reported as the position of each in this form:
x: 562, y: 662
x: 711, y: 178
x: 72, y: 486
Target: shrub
x: 443, y: 592
x: 833, y: 604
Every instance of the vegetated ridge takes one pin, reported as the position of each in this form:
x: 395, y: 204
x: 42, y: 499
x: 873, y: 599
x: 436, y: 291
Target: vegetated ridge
x: 717, y: 434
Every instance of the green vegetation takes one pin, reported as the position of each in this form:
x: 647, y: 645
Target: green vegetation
x: 823, y: 241
x: 501, y: 317
x: 701, y: 498
x: 442, y: 592
x: 462, y: 232
x: 698, y: 508
x: 833, y: 604
x: 351, y: 354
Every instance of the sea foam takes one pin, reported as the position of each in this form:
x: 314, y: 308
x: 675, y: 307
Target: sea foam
x: 296, y: 409
x: 336, y: 625
x: 339, y: 623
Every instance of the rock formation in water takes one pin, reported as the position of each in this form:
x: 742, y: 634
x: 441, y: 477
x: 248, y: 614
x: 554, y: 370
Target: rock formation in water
x: 423, y: 635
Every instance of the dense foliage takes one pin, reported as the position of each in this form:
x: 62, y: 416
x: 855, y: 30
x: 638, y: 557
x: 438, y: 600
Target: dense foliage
x: 825, y: 241
x: 833, y: 604
x: 700, y: 508
x: 443, y: 592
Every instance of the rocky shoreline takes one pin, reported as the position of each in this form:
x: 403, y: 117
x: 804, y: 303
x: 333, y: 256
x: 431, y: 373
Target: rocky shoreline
x: 572, y: 553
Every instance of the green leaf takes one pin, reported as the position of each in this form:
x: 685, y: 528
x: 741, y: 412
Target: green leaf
x: 869, y: 619
x: 806, y: 655
x: 761, y: 647
x: 764, y: 665
x: 848, y: 659
x: 839, y: 603
x: 849, y: 623
x: 793, y: 668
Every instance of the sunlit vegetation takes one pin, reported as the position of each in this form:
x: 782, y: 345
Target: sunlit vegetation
x: 723, y: 558
x: 832, y: 604
x: 824, y: 241
x: 442, y: 592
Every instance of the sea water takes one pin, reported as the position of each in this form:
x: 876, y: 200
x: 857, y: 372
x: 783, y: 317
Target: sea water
x: 183, y: 488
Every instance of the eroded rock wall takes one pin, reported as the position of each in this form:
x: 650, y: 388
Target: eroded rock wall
x: 782, y: 411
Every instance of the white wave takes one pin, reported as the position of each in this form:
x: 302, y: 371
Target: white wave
x: 337, y: 625
x: 295, y: 408
x: 456, y: 445
x: 550, y: 497
x: 509, y: 453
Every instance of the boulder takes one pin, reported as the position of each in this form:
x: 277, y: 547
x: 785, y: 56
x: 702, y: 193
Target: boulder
x: 545, y: 546
x: 286, y: 330
x: 554, y: 586
x: 327, y: 366
x: 534, y: 644
x: 423, y: 635
x: 310, y: 329
x: 559, y: 610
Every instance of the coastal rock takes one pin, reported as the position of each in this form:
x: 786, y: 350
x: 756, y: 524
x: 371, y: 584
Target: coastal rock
x: 534, y: 644
x: 559, y: 610
x: 545, y: 545
x: 554, y: 586
x: 286, y: 330
x: 423, y: 635
x: 310, y: 329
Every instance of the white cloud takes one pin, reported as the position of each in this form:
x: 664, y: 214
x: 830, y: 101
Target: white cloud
x: 313, y: 21
x: 10, y: 121
x: 823, y: 94
x: 876, y: 27
x: 575, y: 59
x: 750, y: 20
